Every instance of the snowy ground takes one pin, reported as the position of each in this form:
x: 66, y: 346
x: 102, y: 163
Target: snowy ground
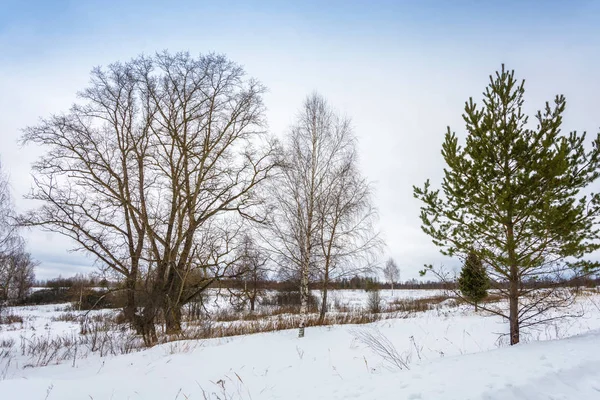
x: 451, y: 353
x: 351, y: 298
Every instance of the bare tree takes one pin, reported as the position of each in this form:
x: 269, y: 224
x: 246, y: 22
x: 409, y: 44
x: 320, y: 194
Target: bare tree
x: 322, y: 214
x: 294, y: 218
x: 16, y: 265
x: 391, y: 272
x: 250, y: 271
x: 347, y: 237
x: 9, y: 238
x: 16, y: 275
x: 143, y: 172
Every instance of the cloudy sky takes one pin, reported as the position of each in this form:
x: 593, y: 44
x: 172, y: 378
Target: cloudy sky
x: 401, y: 70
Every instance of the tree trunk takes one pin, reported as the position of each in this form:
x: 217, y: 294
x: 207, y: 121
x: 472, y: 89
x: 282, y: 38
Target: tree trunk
x: 154, y: 300
x: 252, y: 301
x: 303, y: 310
x: 324, y: 299
x: 172, y: 302
x: 513, y: 295
x: 303, y: 300
x: 323, y: 304
x: 173, y: 319
x: 514, y: 306
x: 171, y: 306
x: 251, y: 294
x: 146, y: 326
x: 129, y: 310
x: 475, y: 307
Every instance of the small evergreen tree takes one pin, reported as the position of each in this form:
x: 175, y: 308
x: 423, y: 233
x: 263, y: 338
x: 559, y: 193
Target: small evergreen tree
x: 473, y: 282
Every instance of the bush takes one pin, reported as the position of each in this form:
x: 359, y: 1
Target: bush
x: 93, y: 300
x: 418, y: 305
x: 374, y: 302
x: 371, y: 285
x: 47, y: 296
x: 289, y: 299
x: 89, y: 299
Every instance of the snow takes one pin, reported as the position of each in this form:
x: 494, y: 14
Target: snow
x: 358, y: 298
x: 452, y: 353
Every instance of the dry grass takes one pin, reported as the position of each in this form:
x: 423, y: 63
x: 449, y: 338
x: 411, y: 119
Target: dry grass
x: 10, y: 319
x: 275, y: 322
x: 435, y: 303
x: 100, y: 338
x: 67, y: 317
x: 379, y: 344
x: 102, y: 334
x: 262, y: 313
x: 420, y: 305
x: 586, y: 292
x: 226, y: 388
x: 6, y: 348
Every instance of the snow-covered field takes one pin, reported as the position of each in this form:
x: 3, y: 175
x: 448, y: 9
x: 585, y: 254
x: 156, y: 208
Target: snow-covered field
x: 450, y: 352
x: 351, y: 298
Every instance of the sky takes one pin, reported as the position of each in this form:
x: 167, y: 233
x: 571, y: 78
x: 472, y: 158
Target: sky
x: 401, y: 70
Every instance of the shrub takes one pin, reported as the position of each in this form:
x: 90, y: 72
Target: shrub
x: 417, y: 305
x: 289, y: 299
x: 379, y: 344
x: 47, y: 296
x: 374, y: 302
x: 93, y: 300
x: 473, y: 282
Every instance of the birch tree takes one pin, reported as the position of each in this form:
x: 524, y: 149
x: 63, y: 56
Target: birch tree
x: 391, y: 272
x: 347, y: 239
x: 321, y: 212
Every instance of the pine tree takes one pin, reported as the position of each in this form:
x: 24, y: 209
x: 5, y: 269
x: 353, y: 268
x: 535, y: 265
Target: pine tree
x: 515, y: 192
x: 473, y: 281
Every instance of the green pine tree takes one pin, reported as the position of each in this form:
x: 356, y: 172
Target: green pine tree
x: 473, y: 281
x: 515, y: 192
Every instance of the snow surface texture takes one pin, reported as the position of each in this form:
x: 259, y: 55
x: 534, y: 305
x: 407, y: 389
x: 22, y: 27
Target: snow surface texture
x: 452, y: 353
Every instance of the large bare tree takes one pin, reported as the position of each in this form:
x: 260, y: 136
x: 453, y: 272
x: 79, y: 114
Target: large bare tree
x: 143, y: 169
